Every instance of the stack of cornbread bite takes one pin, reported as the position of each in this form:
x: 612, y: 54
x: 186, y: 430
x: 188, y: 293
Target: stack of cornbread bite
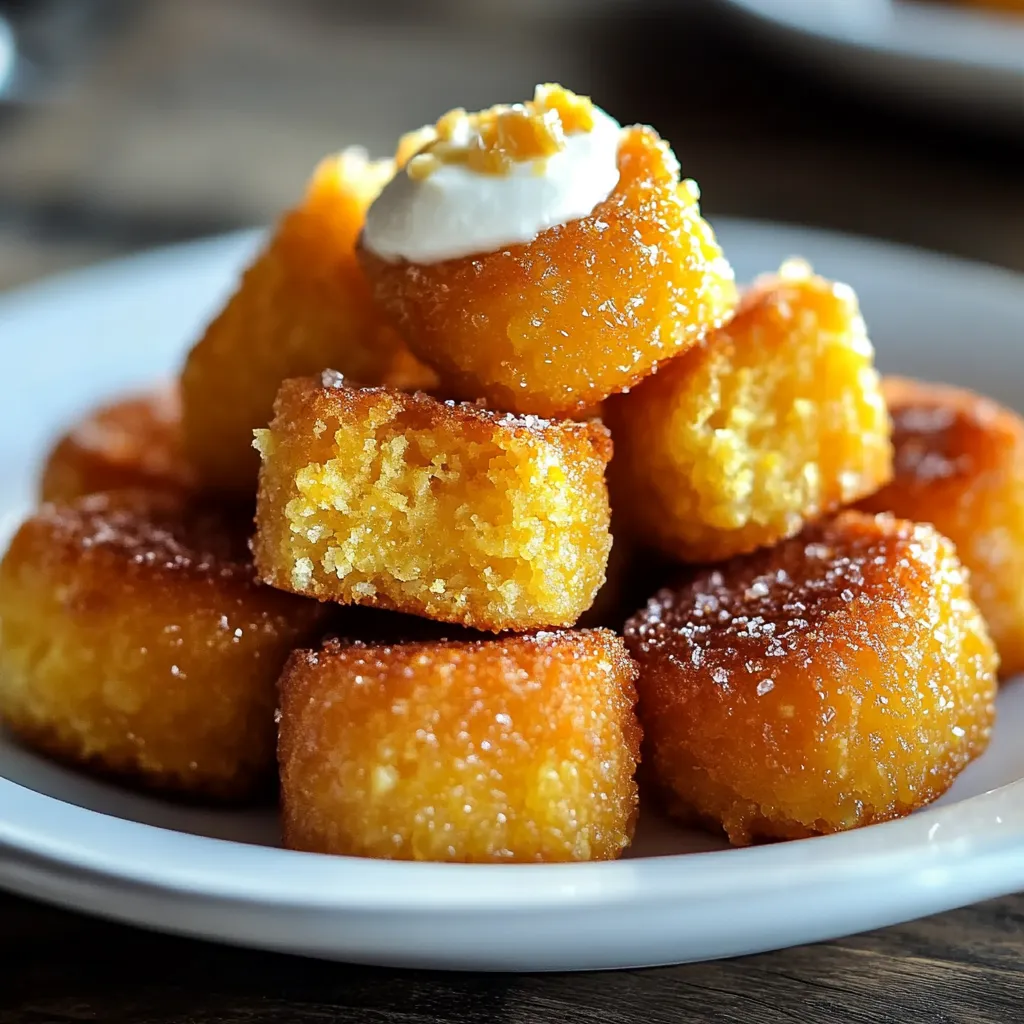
x: 374, y: 546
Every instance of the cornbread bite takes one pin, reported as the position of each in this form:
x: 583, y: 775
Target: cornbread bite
x: 842, y: 678
x: 775, y: 420
x: 135, y: 442
x: 605, y: 285
x: 378, y: 497
x: 137, y: 643
x: 301, y: 306
x: 959, y: 463
x: 509, y: 749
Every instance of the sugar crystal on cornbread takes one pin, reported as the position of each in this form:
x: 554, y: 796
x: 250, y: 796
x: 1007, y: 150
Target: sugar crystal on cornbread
x: 379, y: 497
x: 301, y: 306
x: 507, y: 749
x: 776, y: 420
x: 959, y: 464
x: 842, y: 678
x: 136, y: 642
x: 135, y: 442
x: 541, y: 258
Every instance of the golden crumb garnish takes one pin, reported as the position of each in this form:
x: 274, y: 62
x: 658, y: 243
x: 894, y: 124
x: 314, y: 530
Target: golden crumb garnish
x: 491, y: 141
x: 575, y: 112
x: 422, y: 165
x: 414, y: 142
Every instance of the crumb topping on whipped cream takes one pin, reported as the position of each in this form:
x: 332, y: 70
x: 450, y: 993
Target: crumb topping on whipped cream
x: 474, y: 183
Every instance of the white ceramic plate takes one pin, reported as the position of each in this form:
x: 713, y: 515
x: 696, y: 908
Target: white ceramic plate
x: 958, y: 58
x: 67, y: 343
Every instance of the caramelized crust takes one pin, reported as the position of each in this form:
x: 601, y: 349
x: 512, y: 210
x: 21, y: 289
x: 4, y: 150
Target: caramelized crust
x: 842, y: 678
x: 584, y: 310
x: 960, y: 464
x: 302, y: 306
x: 776, y: 420
x: 515, y: 749
x: 137, y: 643
x: 377, y: 497
x: 132, y: 443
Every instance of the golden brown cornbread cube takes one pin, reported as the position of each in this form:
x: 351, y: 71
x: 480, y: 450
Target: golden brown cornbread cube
x: 508, y: 749
x: 135, y: 442
x: 302, y: 306
x: 136, y: 642
x: 584, y: 310
x: 378, y: 497
x: 776, y: 420
x: 959, y: 464
x: 842, y: 678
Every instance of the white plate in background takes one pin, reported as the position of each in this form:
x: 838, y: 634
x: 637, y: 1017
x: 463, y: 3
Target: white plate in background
x: 955, y: 57
x: 68, y: 343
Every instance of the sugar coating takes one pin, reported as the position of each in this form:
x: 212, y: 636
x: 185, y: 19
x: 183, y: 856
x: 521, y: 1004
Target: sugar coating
x: 584, y: 310
x: 633, y: 572
x: 842, y: 678
x: 959, y: 464
x: 776, y: 420
x: 514, y: 749
x: 373, y: 496
x: 135, y: 442
x: 136, y: 642
x: 301, y: 306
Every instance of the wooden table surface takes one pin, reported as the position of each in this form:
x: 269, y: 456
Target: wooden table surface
x: 960, y: 967
x: 186, y: 117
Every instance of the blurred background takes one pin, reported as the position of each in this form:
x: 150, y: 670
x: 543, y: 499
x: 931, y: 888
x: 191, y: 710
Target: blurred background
x: 131, y: 123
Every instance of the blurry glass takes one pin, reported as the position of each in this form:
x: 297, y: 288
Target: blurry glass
x: 41, y: 40
x: 7, y: 57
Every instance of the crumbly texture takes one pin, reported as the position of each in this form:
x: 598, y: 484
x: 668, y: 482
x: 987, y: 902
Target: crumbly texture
x: 302, y: 306
x: 132, y: 443
x: 517, y: 749
x: 959, y: 464
x: 776, y: 420
x: 584, y: 310
x: 377, y: 497
x: 840, y: 679
x: 135, y: 642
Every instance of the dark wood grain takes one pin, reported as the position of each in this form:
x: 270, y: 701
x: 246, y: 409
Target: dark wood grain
x: 959, y: 968
x: 201, y: 115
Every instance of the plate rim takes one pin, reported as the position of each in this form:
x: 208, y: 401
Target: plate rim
x: 928, y: 68
x: 944, y: 837
x: 888, y: 34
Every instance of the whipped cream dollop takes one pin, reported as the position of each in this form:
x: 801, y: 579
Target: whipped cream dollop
x: 482, y: 182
